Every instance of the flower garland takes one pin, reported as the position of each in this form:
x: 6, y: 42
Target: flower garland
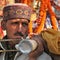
x: 53, y: 16
x: 43, y: 9
x: 28, y: 2
x: 45, y: 5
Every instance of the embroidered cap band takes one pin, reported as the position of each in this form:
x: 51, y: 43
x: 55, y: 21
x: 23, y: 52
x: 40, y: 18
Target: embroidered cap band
x: 17, y: 10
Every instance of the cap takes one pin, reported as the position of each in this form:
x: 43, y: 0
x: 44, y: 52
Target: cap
x: 17, y: 10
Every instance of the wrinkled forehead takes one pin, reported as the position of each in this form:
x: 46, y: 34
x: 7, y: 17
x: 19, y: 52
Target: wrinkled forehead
x: 18, y: 20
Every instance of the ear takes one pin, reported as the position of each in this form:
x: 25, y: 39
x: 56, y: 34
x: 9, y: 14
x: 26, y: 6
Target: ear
x: 3, y: 25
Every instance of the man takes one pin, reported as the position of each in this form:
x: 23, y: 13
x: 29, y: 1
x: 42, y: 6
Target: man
x: 16, y: 18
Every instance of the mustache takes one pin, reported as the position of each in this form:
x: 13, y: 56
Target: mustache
x: 19, y: 34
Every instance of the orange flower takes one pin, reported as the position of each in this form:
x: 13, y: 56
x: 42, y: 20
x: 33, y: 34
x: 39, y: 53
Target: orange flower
x: 1, y: 33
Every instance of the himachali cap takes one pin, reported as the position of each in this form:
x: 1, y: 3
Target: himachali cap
x: 17, y: 10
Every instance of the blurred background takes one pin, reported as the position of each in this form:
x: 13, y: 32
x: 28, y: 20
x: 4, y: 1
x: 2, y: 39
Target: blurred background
x: 36, y: 5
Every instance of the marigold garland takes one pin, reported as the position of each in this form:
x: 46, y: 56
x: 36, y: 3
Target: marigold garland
x: 41, y: 26
x: 26, y: 1
x: 45, y: 5
x: 53, y: 18
x: 43, y: 16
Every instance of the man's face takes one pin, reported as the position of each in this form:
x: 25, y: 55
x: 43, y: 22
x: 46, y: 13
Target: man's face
x: 17, y: 28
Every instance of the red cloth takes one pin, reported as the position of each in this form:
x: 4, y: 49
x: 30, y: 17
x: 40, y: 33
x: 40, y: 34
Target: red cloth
x: 1, y: 33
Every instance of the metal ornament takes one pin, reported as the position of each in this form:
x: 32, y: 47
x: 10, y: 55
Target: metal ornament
x: 26, y: 46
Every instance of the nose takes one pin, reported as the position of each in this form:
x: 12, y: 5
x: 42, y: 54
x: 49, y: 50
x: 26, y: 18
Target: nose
x: 20, y: 27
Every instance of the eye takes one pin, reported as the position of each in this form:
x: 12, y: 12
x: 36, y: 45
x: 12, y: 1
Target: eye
x: 24, y: 24
x: 15, y: 23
